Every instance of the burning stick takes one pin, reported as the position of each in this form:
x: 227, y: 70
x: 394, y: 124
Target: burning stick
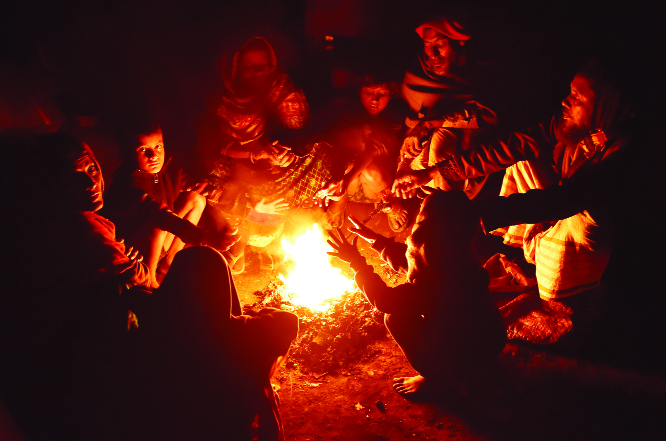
x: 380, y: 206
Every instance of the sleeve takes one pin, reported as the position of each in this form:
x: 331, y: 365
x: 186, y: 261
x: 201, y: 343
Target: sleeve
x: 484, y: 158
x: 392, y: 252
x: 108, y: 255
x: 601, y: 185
x: 402, y: 299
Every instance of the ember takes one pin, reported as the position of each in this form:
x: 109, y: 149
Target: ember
x: 313, y: 282
x: 331, y: 340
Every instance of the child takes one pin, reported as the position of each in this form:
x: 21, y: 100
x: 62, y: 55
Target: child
x: 371, y: 140
x: 146, y: 173
x: 443, y: 317
x: 194, y: 368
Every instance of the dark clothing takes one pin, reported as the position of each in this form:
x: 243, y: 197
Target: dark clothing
x: 443, y: 328
x: 193, y: 369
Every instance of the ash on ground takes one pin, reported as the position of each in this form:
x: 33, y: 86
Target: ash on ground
x: 327, y: 341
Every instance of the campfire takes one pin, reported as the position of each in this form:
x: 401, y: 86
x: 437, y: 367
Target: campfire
x: 313, y: 282
x: 337, y: 324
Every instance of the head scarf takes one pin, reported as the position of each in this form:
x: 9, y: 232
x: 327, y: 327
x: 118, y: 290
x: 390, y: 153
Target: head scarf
x: 611, y: 107
x: 451, y: 29
x: 244, y: 117
x: 422, y: 88
x: 611, y: 114
x: 230, y: 73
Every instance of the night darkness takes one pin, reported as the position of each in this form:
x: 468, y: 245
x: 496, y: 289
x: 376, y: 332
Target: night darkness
x: 112, y: 59
x: 101, y: 55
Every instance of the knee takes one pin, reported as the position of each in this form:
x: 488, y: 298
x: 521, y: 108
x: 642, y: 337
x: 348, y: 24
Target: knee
x: 375, y: 175
x: 195, y: 200
x: 200, y: 260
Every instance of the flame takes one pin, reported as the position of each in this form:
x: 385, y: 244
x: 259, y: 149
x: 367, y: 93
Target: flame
x: 313, y: 282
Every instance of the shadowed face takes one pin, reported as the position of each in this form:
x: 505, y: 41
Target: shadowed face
x: 84, y: 184
x: 439, y: 50
x: 254, y: 67
x: 578, y: 106
x: 375, y: 98
x: 150, y: 151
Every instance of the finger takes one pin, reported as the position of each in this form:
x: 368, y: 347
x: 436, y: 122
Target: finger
x: 354, y: 221
x: 342, y: 235
x: 334, y: 239
x: 354, y: 241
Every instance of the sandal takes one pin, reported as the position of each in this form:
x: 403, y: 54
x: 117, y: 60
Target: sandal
x: 394, y: 214
x: 334, y: 219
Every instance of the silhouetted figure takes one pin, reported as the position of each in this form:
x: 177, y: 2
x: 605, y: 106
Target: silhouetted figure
x: 443, y: 317
x: 89, y: 352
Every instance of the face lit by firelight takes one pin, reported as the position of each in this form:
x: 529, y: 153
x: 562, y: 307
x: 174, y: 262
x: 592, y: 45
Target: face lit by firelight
x: 578, y: 106
x: 254, y: 67
x: 83, y: 184
x: 375, y: 98
x: 440, y: 51
x: 150, y: 151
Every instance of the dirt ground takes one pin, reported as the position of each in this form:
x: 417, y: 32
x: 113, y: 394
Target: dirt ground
x: 545, y: 395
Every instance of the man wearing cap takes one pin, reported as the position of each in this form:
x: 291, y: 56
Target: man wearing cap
x: 437, y: 90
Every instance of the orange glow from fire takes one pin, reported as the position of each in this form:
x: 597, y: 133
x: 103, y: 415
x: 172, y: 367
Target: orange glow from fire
x: 313, y: 282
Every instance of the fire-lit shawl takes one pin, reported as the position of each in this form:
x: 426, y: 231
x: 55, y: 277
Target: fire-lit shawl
x: 243, y: 118
x: 421, y: 87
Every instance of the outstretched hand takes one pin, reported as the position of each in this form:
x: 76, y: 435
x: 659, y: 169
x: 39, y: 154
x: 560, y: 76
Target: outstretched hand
x: 333, y: 190
x: 407, y: 182
x: 362, y: 231
x: 343, y: 250
x: 277, y: 206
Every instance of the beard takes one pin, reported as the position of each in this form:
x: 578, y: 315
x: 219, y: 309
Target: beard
x: 568, y: 133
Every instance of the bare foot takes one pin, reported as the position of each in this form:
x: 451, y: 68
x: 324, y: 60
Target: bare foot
x: 406, y: 386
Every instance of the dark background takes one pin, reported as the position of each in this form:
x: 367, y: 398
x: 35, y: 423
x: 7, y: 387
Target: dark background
x: 102, y: 55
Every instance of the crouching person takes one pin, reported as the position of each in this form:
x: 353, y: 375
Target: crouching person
x: 143, y: 189
x: 443, y: 317
x: 77, y: 364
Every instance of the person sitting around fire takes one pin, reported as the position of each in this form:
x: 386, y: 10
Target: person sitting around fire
x: 148, y: 173
x: 562, y: 188
x: 370, y: 140
x: 84, y: 337
x: 443, y: 317
x: 246, y: 165
x: 446, y: 113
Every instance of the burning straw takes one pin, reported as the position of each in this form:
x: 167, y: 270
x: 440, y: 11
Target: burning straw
x: 328, y: 340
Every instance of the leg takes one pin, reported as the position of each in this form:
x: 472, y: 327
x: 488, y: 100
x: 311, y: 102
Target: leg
x: 189, y: 206
x: 407, y: 331
x: 374, y: 179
